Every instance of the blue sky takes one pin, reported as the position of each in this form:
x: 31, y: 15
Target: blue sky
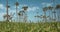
x: 33, y: 7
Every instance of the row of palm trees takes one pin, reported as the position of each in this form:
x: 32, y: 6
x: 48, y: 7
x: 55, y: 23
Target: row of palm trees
x: 52, y: 13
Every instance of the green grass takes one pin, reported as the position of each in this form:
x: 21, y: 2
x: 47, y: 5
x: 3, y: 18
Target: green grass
x: 29, y: 27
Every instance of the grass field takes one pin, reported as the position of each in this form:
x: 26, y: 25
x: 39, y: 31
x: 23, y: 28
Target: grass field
x: 29, y: 27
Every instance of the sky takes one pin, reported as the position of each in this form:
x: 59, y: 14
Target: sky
x: 33, y: 7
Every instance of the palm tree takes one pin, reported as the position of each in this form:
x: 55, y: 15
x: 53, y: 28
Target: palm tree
x: 58, y: 7
x: 20, y: 14
x: 50, y: 8
x: 54, y: 12
x: 44, y: 10
x: 7, y: 6
x: 17, y: 4
x: 25, y: 10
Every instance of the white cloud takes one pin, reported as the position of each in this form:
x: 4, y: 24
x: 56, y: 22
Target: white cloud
x: 1, y: 16
x: 33, y: 8
x: 2, y: 6
x: 47, y: 4
x: 20, y: 6
x: 2, y: 13
x: 12, y: 11
x: 43, y: 3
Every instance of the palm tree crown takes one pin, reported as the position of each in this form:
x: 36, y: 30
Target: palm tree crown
x: 25, y: 7
x: 45, y: 9
x: 17, y: 3
x: 58, y: 6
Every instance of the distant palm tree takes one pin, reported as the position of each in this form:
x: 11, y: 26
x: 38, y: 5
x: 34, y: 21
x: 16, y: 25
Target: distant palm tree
x: 20, y: 14
x: 50, y: 8
x: 17, y: 4
x: 54, y: 13
x: 25, y: 9
x: 58, y: 7
x: 7, y: 6
x: 25, y: 12
x: 44, y: 10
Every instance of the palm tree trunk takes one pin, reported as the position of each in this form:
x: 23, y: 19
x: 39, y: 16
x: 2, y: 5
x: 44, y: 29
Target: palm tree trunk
x: 49, y: 16
x: 7, y: 9
x: 25, y: 17
x: 16, y: 13
x: 54, y: 15
x: 19, y: 18
x: 45, y: 16
x: 58, y: 18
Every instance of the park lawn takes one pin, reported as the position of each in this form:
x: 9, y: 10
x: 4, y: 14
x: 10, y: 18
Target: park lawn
x: 29, y: 27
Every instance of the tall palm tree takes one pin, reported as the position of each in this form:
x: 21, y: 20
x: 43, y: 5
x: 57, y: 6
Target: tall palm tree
x: 50, y: 8
x: 7, y: 6
x: 44, y: 10
x: 25, y: 10
x: 54, y: 12
x: 25, y: 17
x: 58, y: 7
x: 17, y: 4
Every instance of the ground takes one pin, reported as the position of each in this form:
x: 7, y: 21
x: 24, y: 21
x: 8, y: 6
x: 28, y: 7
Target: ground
x: 29, y: 27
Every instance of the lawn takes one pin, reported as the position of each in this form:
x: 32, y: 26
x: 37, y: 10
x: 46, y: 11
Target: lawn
x: 29, y: 27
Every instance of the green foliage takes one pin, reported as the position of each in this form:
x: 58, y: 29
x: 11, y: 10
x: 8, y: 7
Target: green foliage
x: 29, y: 27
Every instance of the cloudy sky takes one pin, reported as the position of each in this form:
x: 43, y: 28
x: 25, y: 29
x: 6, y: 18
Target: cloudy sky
x: 33, y: 7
